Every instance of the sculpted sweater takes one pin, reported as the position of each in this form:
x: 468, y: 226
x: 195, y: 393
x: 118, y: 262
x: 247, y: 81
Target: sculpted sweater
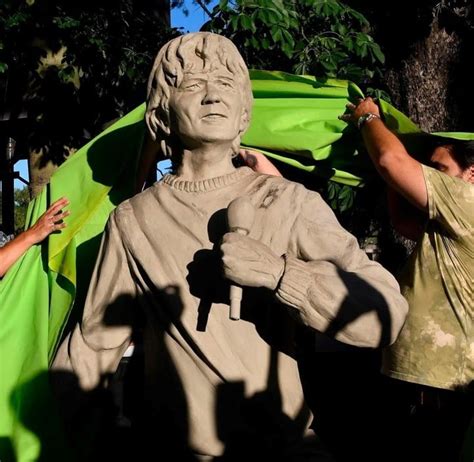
x: 160, y: 257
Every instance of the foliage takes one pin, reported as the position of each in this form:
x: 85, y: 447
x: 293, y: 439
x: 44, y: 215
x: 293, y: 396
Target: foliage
x: 73, y: 66
x: 326, y: 38
x: 22, y: 199
x: 183, y: 5
x: 340, y: 197
x: 319, y: 37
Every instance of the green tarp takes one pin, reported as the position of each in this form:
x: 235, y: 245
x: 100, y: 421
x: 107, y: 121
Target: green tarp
x: 294, y: 120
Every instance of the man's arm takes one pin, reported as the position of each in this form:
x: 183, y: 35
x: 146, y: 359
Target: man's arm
x: 401, y: 171
x: 49, y: 222
x: 258, y: 162
x: 405, y: 218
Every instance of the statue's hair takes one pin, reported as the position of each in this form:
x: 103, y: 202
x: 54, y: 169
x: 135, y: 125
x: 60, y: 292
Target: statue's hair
x: 173, y: 61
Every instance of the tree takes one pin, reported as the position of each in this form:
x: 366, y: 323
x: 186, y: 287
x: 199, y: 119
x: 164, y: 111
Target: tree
x: 22, y: 199
x: 326, y: 38
x: 73, y: 66
x: 429, y: 46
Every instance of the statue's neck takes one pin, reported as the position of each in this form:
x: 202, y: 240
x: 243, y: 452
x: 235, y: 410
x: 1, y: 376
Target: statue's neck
x: 205, y: 162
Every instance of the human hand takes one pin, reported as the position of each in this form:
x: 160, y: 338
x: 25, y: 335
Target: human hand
x: 248, y: 262
x: 364, y: 106
x: 50, y: 221
x: 258, y: 162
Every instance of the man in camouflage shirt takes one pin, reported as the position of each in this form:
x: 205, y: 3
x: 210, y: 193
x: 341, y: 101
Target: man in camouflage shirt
x: 433, y: 358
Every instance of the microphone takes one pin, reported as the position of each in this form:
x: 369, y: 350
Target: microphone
x: 240, y: 217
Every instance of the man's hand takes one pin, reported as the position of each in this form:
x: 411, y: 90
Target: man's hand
x: 49, y: 222
x: 258, y: 162
x: 401, y: 171
x: 364, y: 106
x: 248, y: 262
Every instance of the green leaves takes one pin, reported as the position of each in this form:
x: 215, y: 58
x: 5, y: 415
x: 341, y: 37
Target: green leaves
x: 340, y: 197
x: 58, y: 58
x: 16, y: 19
x: 326, y: 8
x: 257, y: 26
x: 321, y: 37
x: 22, y: 199
x: 325, y: 38
x: 66, y: 22
x: 247, y: 23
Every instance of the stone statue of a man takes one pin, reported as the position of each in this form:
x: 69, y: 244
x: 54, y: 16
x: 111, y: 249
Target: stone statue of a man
x: 167, y: 259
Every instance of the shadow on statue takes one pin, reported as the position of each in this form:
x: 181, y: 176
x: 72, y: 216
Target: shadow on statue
x: 144, y: 409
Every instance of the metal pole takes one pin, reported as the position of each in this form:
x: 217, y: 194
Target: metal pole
x: 8, y: 191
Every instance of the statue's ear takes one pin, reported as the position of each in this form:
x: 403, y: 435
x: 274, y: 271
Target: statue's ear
x: 156, y: 122
x: 244, y: 120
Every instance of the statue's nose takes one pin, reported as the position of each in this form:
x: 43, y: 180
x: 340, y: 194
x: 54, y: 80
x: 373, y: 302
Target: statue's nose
x: 212, y: 94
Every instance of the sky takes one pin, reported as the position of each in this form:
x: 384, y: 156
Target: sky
x: 190, y: 23
x: 196, y: 18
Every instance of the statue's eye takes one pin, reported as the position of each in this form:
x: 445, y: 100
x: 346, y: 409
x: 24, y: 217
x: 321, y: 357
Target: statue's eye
x: 192, y: 86
x: 225, y: 84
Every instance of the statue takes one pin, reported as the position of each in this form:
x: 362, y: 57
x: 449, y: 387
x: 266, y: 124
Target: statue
x: 212, y: 384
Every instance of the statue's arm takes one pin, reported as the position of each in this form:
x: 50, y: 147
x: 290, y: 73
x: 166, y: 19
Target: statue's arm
x: 326, y: 279
x: 334, y: 287
x: 95, y: 346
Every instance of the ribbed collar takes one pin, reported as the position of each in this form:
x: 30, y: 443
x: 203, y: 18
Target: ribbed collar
x: 210, y: 184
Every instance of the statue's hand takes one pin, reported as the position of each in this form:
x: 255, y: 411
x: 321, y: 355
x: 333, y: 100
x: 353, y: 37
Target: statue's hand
x: 248, y: 262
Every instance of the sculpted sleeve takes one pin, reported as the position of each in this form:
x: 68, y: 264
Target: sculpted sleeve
x: 96, y: 345
x: 334, y: 287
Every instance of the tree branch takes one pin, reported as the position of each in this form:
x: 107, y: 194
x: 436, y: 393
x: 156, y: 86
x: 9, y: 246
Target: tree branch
x: 204, y: 7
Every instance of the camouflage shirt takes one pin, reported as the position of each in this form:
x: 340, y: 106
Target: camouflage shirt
x: 436, y: 344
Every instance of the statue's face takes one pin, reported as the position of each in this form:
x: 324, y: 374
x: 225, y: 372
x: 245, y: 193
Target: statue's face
x: 207, y: 108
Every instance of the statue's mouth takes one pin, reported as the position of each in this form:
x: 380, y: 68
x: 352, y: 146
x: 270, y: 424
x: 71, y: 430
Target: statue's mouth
x: 214, y: 116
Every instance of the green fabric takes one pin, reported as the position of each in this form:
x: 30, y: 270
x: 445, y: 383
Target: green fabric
x: 294, y: 120
x: 37, y: 292
x: 455, y: 135
x: 436, y: 344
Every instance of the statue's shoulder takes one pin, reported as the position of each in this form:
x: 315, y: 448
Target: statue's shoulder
x: 131, y: 209
x: 284, y: 184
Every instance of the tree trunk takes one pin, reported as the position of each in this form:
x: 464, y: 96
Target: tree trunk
x: 40, y: 172
x: 428, y: 45
x: 420, y: 84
